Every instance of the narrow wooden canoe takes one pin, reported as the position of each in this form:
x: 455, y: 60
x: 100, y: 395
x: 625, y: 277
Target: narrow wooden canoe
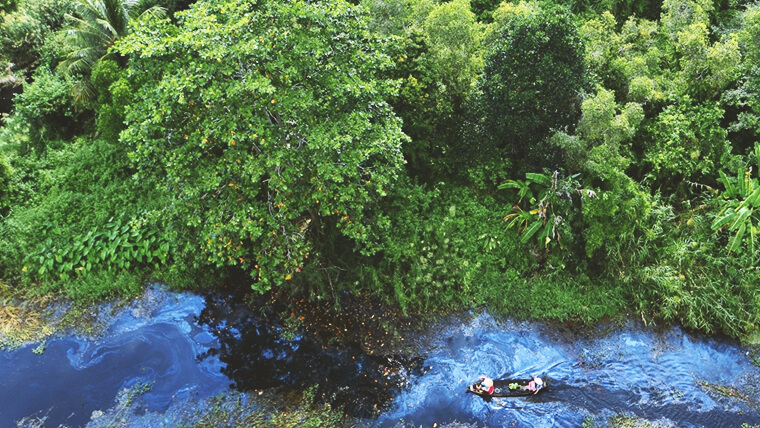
x: 501, y: 388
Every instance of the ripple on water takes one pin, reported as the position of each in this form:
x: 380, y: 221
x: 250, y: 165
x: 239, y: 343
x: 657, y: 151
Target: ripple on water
x: 632, y: 371
x: 150, y: 342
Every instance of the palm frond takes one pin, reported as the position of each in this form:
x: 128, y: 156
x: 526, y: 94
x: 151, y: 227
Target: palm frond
x: 155, y: 12
x: 93, y: 29
x: 82, y: 91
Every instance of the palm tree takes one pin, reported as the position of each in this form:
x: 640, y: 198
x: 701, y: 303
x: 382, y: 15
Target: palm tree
x: 97, y: 24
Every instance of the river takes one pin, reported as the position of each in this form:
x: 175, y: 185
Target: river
x: 179, y: 348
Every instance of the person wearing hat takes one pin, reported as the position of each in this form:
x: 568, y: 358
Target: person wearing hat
x: 486, y: 385
x: 535, y: 385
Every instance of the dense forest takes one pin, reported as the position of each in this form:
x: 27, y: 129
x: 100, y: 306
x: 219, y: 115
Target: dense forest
x: 564, y: 160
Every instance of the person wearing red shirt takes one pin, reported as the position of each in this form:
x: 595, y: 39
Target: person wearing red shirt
x: 486, y: 385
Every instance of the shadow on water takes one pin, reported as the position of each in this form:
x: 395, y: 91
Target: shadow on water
x: 257, y: 356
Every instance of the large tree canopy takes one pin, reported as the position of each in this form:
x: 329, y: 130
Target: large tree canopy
x: 267, y: 120
x: 533, y: 79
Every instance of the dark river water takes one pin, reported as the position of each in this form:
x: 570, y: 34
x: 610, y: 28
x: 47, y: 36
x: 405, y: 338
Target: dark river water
x: 186, y: 348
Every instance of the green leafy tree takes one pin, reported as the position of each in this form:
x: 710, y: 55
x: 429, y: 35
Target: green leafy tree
x: 267, y: 122
x: 94, y: 27
x: 438, y: 55
x: 483, y: 9
x: 532, y: 81
x: 397, y: 17
x: 744, y: 99
x: 425, y: 106
x: 602, y: 47
x: 455, y: 38
x: 706, y: 69
x: 648, y: 9
x: 599, y: 151
x: 675, y: 72
x: 679, y: 15
x: 7, y: 5
x: 6, y: 186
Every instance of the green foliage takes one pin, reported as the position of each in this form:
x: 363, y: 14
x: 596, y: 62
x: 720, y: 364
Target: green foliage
x: 6, y: 5
x: 24, y: 30
x: 40, y: 349
x: 614, y: 222
x: 686, y: 142
x: 574, y: 298
x: 560, y: 295
x: 706, y: 70
x: 534, y: 72
x: 423, y: 104
x: 170, y: 6
x: 455, y: 37
x: 674, y: 73
x: 679, y: 15
x: 588, y: 422
x: 647, y: 9
x: 440, y: 250
x: 114, y: 95
x: 745, y: 98
x: 739, y: 208
x: 102, y: 285
x: 483, y: 9
x: 437, y: 54
x: 396, y: 17
x: 45, y: 110
x: 118, y: 246
x: 602, y: 50
x: 93, y: 29
x: 664, y: 61
x: 600, y: 148
x: 267, y: 123
x: 234, y: 409
x: 260, y: 136
x: 689, y: 279
x: 58, y: 234
x: 749, y: 34
x: 6, y: 185
x: 550, y: 220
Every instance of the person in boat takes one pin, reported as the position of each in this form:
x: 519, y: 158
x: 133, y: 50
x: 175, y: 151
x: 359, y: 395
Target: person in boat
x: 485, y: 385
x: 536, y: 384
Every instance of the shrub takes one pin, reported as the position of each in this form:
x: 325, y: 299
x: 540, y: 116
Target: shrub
x: 46, y: 109
x: 24, y: 31
x: 104, y: 285
x: 441, y: 248
x: 114, y: 95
